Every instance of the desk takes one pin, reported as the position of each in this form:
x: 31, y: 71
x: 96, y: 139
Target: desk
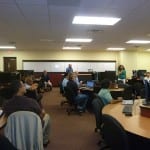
x: 136, y: 124
x: 84, y: 88
x: 116, y: 89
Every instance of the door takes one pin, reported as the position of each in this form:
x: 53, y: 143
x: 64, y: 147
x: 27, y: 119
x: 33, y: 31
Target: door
x: 9, y: 64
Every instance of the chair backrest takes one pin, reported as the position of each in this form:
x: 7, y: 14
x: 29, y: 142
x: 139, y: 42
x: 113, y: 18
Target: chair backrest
x: 31, y: 94
x: 24, y: 130
x: 128, y: 92
x: 114, y: 134
x: 69, y: 95
x: 97, y: 105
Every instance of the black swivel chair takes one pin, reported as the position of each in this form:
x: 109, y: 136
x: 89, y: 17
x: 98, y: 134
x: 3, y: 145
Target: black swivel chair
x: 97, y: 105
x: 72, y: 107
x: 114, y: 134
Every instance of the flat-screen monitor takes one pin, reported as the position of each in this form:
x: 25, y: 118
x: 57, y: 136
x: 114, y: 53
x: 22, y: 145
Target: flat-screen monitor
x: 111, y: 75
x: 147, y: 93
x: 7, y: 77
x: 26, y: 72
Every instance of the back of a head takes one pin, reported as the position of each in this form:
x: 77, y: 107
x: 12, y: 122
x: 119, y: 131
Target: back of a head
x: 14, y: 86
x: 29, y: 80
x: 71, y: 76
x: 105, y: 83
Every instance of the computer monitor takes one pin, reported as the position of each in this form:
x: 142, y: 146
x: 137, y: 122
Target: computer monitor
x: 7, y: 77
x: 147, y: 93
x: 26, y: 72
x: 111, y: 75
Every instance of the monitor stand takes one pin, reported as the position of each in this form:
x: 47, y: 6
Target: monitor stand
x: 146, y: 102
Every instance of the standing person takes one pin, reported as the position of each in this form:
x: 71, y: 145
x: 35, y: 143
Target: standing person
x: 19, y: 102
x: 69, y: 69
x: 45, y: 79
x: 122, y: 73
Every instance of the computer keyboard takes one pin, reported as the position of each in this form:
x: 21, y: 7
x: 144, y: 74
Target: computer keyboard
x: 127, y: 109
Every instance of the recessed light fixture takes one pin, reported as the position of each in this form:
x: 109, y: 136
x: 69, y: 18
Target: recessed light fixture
x: 71, y: 48
x: 116, y: 48
x: 138, y: 42
x: 78, y: 40
x: 95, y: 20
x: 7, y: 47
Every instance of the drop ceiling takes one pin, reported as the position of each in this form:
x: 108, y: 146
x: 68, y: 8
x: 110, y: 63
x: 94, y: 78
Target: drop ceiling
x: 45, y: 24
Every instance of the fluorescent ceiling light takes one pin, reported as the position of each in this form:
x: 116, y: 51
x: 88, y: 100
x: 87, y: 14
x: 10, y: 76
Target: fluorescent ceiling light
x: 78, y: 40
x: 7, y: 47
x: 116, y: 48
x: 148, y: 50
x: 95, y: 20
x: 71, y: 48
x: 138, y: 42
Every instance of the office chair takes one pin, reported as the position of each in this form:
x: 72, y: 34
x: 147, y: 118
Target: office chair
x: 34, y: 94
x: 62, y: 92
x: 114, y: 134
x: 24, y: 130
x: 72, y: 107
x: 97, y: 105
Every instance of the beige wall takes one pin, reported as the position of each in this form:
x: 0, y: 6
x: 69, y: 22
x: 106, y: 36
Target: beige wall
x: 131, y: 60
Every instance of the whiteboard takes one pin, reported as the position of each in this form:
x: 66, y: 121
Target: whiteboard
x: 52, y: 66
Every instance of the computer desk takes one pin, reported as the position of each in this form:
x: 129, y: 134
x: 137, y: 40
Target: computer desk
x: 136, y: 124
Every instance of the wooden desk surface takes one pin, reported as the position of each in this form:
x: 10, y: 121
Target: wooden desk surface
x: 116, y: 89
x: 136, y: 123
x: 86, y: 89
x: 3, y: 120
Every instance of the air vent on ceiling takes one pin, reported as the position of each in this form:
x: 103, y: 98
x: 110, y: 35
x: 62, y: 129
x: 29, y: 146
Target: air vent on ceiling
x: 64, y: 2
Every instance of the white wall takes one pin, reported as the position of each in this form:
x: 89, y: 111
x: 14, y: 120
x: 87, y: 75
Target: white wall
x: 131, y: 60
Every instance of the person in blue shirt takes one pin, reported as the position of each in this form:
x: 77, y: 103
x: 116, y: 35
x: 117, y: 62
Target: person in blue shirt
x: 69, y: 69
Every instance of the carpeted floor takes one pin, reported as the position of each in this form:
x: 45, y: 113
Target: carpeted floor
x: 72, y: 132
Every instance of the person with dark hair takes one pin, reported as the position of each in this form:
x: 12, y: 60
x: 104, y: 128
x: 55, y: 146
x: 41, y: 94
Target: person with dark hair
x: 19, y: 102
x: 79, y: 98
x: 122, y: 74
x: 5, y: 144
x: 103, y: 98
x: 105, y: 94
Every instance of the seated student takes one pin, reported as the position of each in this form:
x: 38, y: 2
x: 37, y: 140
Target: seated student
x: 103, y: 98
x: 105, y: 94
x: 46, y: 81
x: 19, y: 102
x: 32, y: 89
x: 65, y: 81
x: 79, y: 98
x: 79, y: 83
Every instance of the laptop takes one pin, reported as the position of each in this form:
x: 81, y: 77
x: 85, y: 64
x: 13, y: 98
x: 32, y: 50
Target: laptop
x: 90, y: 84
x: 128, y: 102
